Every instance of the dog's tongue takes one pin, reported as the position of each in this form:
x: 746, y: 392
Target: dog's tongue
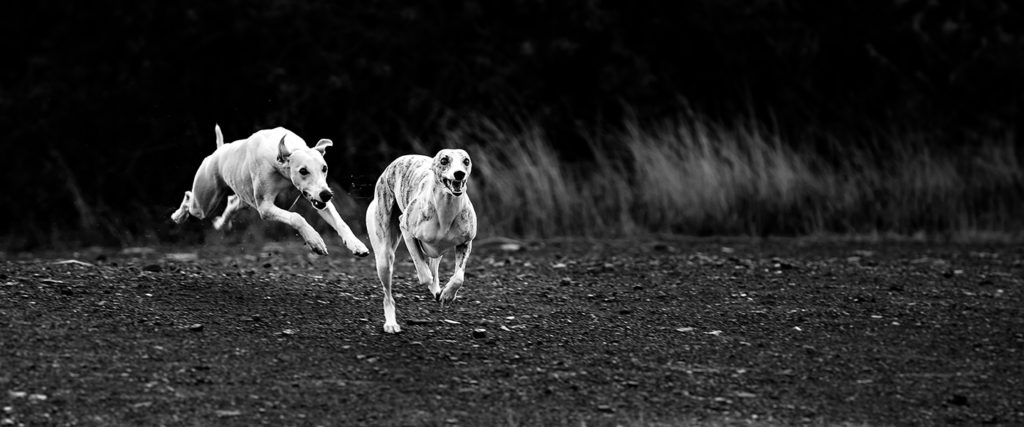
x: 457, y: 185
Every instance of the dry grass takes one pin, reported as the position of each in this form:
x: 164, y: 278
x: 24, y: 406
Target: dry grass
x: 685, y: 176
x: 690, y: 176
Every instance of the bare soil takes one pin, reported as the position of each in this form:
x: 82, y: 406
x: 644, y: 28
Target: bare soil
x: 599, y: 333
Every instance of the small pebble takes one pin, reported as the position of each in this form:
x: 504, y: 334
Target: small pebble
x: 511, y: 247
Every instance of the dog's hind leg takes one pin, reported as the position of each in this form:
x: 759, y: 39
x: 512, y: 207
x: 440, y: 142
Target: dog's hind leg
x: 179, y: 216
x: 382, y: 226
x: 234, y: 203
x: 455, y: 283
x: 207, y: 192
x: 435, y: 284
x: 330, y: 214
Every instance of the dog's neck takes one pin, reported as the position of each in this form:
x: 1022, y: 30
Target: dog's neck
x: 283, y: 169
x: 447, y: 206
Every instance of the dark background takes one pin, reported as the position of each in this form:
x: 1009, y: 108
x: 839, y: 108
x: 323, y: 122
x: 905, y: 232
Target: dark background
x: 108, y: 107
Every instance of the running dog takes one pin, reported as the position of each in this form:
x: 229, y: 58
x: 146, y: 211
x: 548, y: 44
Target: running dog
x: 272, y: 165
x: 423, y: 201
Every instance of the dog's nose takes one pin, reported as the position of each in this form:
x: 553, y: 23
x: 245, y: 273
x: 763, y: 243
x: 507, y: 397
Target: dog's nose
x: 459, y: 175
x: 325, y: 196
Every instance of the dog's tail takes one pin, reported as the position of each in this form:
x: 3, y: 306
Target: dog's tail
x: 220, y: 136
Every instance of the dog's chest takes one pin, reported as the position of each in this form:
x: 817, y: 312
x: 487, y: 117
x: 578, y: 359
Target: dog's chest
x: 440, y: 245
x: 436, y: 233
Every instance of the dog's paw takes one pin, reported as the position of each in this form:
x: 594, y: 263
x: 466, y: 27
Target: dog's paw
x: 359, y: 250
x: 447, y: 295
x: 317, y: 245
x: 179, y: 216
x: 220, y: 224
x: 392, y: 328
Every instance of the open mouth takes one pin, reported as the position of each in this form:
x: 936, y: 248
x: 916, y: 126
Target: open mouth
x: 318, y: 204
x: 456, y: 187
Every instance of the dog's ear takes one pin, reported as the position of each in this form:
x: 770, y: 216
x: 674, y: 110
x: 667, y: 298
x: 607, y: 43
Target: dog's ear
x: 322, y: 145
x: 282, y: 152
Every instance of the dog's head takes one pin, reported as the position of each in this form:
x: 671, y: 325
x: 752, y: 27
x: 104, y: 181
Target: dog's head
x: 451, y: 170
x: 307, y: 170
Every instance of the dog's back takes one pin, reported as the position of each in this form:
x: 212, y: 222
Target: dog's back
x: 401, y: 179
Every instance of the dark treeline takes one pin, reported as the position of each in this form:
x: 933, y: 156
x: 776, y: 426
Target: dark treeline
x: 109, y: 106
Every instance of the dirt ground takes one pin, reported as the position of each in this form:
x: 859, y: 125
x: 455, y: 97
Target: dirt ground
x: 632, y: 333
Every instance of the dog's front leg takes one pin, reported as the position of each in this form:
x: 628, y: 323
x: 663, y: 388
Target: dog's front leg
x: 419, y: 260
x: 451, y: 289
x: 330, y: 214
x: 435, y: 284
x: 270, y: 212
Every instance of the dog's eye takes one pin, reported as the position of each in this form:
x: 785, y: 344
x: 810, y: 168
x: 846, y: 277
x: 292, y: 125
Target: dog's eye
x: 303, y: 171
x: 465, y: 162
x: 324, y: 170
x: 444, y: 160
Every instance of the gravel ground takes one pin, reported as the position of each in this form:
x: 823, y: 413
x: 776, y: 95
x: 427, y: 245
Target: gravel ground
x: 634, y: 333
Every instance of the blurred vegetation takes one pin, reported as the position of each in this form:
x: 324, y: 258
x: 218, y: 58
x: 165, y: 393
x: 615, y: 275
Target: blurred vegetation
x: 107, y: 107
x: 690, y: 175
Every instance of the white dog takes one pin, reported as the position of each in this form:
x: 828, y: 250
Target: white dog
x: 271, y: 166
x: 422, y: 200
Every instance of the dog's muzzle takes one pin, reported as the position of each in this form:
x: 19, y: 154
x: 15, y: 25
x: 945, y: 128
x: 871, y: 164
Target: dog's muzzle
x: 456, y: 187
x: 325, y: 196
